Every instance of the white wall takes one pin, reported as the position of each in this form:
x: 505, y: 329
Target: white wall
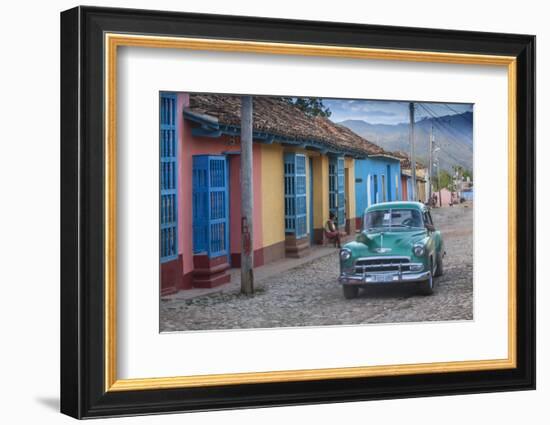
x: 29, y: 213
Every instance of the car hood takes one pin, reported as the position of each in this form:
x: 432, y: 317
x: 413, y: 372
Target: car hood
x: 387, y: 243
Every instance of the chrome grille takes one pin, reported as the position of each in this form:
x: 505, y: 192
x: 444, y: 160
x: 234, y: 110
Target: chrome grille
x: 382, y: 264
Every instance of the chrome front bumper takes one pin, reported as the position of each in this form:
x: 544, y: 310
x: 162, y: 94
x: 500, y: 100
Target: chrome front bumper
x: 382, y: 277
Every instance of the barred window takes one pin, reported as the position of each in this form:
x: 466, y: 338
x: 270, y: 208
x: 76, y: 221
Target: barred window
x: 168, y: 178
x: 295, y: 194
x: 337, y: 196
x: 210, y: 205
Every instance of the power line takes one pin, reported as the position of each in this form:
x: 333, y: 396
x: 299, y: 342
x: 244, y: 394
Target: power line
x: 440, y: 124
x: 443, y: 122
x: 442, y: 129
x: 461, y: 115
x: 435, y: 116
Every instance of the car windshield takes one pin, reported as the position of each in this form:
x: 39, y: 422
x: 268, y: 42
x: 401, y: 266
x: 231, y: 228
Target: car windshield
x: 393, y: 218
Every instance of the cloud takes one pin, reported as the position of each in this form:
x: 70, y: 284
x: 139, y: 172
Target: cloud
x: 381, y: 113
x: 386, y: 111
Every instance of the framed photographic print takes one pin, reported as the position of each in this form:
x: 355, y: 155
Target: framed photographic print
x: 261, y: 212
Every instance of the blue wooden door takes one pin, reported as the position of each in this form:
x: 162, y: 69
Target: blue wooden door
x: 337, y: 195
x: 388, y: 173
x: 341, y: 193
x: 311, y: 229
x: 295, y: 194
x: 210, y: 205
x: 374, y: 189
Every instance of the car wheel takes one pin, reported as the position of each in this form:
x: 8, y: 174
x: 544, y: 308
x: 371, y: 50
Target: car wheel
x: 350, y: 291
x: 439, y: 270
x: 426, y: 287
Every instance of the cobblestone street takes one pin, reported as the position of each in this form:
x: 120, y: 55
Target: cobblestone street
x: 311, y: 296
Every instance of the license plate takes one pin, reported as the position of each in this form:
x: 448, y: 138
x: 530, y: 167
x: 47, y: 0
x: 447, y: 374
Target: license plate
x: 386, y: 277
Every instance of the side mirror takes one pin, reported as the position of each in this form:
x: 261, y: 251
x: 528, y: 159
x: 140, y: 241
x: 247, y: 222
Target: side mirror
x: 430, y: 227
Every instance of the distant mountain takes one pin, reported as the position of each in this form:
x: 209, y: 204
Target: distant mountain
x: 453, y: 134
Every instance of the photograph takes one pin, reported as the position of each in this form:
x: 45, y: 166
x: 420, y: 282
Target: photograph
x: 281, y: 212
x: 262, y: 211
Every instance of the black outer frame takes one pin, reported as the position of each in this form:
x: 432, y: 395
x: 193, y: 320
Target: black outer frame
x: 82, y: 212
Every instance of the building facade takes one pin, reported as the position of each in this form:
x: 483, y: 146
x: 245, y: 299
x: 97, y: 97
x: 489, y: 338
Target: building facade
x: 377, y: 179
x: 304, y: 168
x: 421, y: 192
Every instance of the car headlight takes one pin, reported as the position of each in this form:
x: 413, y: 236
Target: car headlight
x: 418, y: 250
x: 345, y: 254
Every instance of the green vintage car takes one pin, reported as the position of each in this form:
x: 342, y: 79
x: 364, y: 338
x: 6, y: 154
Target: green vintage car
x: 398, y: 244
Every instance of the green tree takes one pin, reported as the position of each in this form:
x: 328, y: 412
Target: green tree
x: 444, y: 180
x: 467, y: 173
x: 458, y: 169
x: 312, y: 106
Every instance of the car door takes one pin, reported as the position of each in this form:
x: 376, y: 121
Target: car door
x: 432, y: 243
x: 435, y: 235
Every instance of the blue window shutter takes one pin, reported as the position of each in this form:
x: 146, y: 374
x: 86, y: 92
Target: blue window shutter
x: 388, y: 173
x: 375, y: 189
x: 295, y: 194
x: 219, y: 206
x: 210, y: 205
x: 290, y: 193
x: 168, y: 178
x: 200, y: 204
x: 336, y: 187
x: 341, y: 193
x: 332, y: 192
x: 301, y: 196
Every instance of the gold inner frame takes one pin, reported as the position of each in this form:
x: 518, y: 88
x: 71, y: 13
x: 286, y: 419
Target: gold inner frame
x: 113, y: 41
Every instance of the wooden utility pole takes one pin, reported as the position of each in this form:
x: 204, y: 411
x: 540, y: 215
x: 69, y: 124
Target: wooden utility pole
x: 439, y: 183
x: 413, y: 161
x: 247, y: 196
x: 430, y: 170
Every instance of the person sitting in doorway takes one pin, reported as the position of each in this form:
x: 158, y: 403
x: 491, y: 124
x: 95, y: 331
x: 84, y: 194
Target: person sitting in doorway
x: 331, y: 230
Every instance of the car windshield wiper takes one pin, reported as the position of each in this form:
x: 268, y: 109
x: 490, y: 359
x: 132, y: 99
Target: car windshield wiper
x: 374, y: 228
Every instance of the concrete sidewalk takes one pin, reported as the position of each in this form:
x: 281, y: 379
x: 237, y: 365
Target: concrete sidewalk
x: 260, y: 273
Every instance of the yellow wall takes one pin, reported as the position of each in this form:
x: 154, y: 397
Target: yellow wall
x: 320, y: 191
x: 273, y: 196
x: 349, y: 165
x: 421, y: 191
x: 309, y: 154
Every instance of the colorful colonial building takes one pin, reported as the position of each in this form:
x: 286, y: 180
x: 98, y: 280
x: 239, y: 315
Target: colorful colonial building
x: 304, y: 167
x: 422, y: 179
x: 377, y: 179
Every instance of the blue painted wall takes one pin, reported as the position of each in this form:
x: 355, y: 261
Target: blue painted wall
x: 468, y: 195
x: 385, y: 186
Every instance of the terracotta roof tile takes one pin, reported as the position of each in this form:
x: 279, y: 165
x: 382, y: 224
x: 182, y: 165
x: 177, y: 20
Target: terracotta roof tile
x: 275, y: 116
x: 405, y: 162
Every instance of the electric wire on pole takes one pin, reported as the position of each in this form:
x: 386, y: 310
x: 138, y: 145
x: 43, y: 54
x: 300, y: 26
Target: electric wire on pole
x: 412, y: 160
x: 430, y: 170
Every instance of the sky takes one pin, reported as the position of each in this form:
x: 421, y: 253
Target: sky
x: 388, y: 112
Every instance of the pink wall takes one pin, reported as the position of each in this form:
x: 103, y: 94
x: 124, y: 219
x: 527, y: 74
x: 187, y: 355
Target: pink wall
x: 235, y: 202
x: 446, y: 197
x: 191, y: 145
x: 183, y: 100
